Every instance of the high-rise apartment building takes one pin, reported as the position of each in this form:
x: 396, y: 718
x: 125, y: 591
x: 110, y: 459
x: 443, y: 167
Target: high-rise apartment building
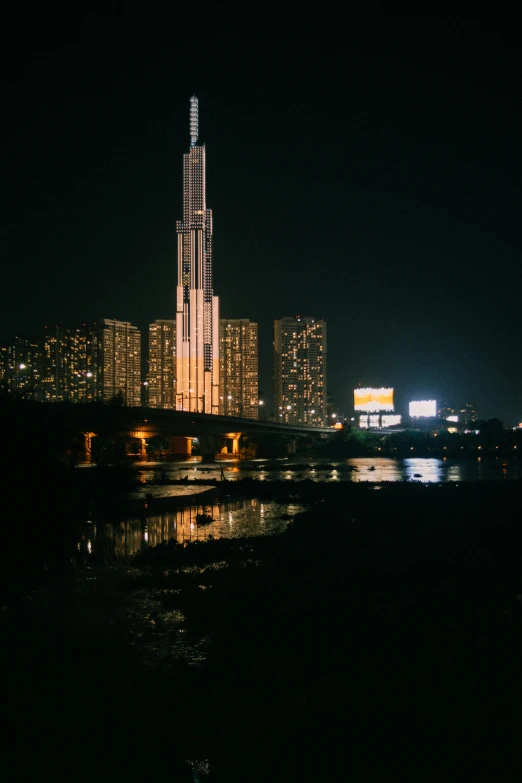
x: 83, y: 362
x: 300, y: 393
x: 69, y: 365
x: 239, y: 368
x: 119, y: 362
x: 22, y: 368
x: 197, y: 309
x: 56, y: 375
x: 161, y: 377
x: 61, y: 367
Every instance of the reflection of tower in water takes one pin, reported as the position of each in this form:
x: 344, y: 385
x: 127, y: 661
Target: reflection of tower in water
x: 135, y: 535
x: 227, y: 520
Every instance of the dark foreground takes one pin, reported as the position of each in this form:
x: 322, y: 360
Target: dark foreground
x: 381, y: 635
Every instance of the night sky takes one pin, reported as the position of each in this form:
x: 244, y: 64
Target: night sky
x: 372, y: 180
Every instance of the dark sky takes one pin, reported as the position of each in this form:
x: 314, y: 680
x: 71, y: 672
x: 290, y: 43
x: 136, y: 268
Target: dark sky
x: 373, y: 180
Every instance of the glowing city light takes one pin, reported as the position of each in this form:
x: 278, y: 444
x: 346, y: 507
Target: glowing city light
x: 423, y: 408
x: 372, y: 400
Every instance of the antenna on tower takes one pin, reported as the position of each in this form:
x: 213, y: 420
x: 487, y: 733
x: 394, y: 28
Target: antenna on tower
x: 193, y: 120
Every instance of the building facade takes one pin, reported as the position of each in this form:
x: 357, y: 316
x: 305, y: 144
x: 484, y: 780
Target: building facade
x: 56, y: 375
x: 197, y: 309
x: 119, y: 362
x: 21, y: 369
x: 300, y: 389
x: 464, y: 414
x: 161, y: 377
x: 83, y: 350
x: 69, y: 364
x: 239, y: 368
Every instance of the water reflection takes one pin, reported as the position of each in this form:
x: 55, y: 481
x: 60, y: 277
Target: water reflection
x: 375, y: 469
x: 107, y: 542
x: 429, y: 470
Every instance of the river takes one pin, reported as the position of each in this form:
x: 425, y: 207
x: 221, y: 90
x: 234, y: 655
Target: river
x: 377, y: 469
x: 116, y: 540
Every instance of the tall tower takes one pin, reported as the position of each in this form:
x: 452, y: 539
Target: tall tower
x: 300, y: 393
x: 239, y: 371
x: 197, y: 309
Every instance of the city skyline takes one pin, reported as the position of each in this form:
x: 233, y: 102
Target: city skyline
x: 374, y: 186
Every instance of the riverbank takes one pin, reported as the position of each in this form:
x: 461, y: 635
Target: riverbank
x: 388, y: 645
x: 379, y: 636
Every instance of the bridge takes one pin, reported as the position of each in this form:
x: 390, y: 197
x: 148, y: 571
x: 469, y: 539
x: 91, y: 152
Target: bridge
x: 82, y: 422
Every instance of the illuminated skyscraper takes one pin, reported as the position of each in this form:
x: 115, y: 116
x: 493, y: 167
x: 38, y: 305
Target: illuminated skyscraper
x: 162, y: 365
x: 22, y: 368
x: 69, y: 364
x: 119, y: 362
x: 239, y: 368
x: 300, y: 394
x: 56, y: 377
x: 83, y: 350
x: 197, y: 309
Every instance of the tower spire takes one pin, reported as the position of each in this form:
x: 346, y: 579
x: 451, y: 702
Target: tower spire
x: 193, y: 120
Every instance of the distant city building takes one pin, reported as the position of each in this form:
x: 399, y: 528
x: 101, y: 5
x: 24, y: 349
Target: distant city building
x: 60, y: 367
x: 84, y: 363
x: 161, y: 377
x: 469, y: 412
x: 300, y: 388
x: 69, y: 364
x: 56, y: 378
x: 334, y: 415
x: 119, y: 362
x: 197, y: 309
x: 239, y: 368
x: 21, y: 368
x: 4, y: 364
x: 463, y: 414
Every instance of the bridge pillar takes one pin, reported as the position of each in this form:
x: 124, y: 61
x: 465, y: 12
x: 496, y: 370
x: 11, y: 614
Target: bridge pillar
x: 180, y: 447
x: 230, y: 450
x: 291, y: 446
x: 85, y: 450
x: 209, y: 446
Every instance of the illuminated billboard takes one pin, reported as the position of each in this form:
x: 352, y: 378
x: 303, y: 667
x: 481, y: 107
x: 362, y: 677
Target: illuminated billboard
x: 373, y: 400
x: 370, y: 422
x: 390, y: 420
x: 423, y: 408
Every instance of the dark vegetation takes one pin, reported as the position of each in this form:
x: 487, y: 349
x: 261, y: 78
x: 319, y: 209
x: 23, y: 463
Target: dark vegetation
x: 482, y: 438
